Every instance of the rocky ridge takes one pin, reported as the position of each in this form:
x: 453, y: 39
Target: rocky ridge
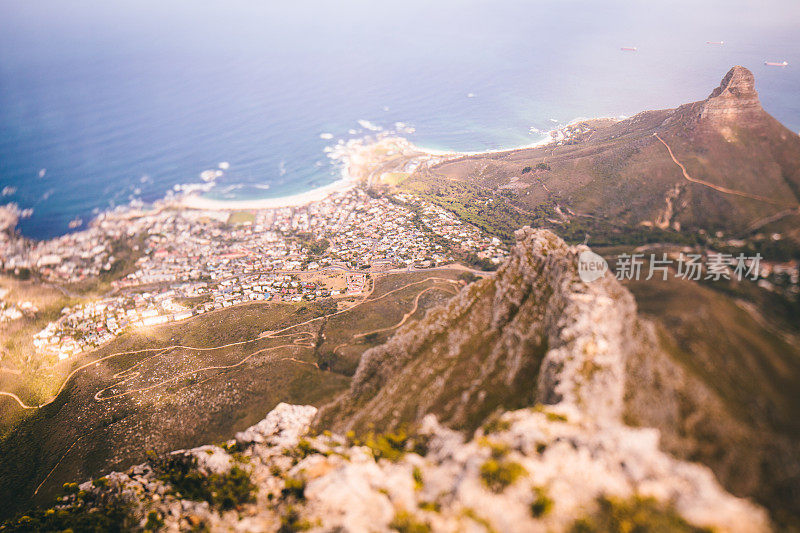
x: 535, y: 333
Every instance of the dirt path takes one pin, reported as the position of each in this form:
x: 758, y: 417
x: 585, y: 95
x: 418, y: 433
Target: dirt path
x: 717, y: 188
x: 162, y: 350
x: 405, y: 317
x: 773, y: 218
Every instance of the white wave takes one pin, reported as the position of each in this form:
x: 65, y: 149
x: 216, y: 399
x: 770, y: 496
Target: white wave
x: 231, y: 188
x: 224, y: 165
x: 326, y: 136
x: 189, y: 188
x: 210, y: 175
x: 367, y: 125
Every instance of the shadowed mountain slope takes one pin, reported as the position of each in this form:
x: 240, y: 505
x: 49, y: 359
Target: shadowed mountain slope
x: 743, y: 167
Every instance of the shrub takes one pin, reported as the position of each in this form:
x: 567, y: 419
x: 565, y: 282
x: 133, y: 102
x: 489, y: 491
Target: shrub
x: 497, y: 474
x: 111, y: 516
x: 294, y: 487
x: 542, y: 504
x: 496, y: 425
x: 226, y: 491
x: 433, y: 507
x: 636, y: 514
x: 551, y: 416
x: 154, y: 521
x: 405, y: 522
x: 419, y: 482
x: 291, y: 522
x: 305, y: 448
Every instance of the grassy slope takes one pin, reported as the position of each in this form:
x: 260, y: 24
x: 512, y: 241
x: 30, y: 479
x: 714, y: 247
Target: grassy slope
x: 735, y: 409
x: 86, y: 438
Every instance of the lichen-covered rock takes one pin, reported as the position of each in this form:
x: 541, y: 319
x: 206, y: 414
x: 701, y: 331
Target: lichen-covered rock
x: 281, y: 427
x: 534, y: 470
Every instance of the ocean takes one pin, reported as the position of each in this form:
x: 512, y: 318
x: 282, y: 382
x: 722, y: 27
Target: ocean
x: 103, y: 103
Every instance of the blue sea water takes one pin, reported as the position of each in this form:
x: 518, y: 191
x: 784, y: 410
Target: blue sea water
x: 123, y: 100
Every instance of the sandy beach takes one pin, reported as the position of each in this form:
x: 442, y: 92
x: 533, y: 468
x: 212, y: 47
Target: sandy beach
x: 360, y: 159
x: 195, y: 201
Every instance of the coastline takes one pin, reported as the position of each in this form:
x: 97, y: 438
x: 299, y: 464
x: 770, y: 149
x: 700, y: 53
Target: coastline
x: 357, y: 155
x: 195, y: 201
x: 361, y: 163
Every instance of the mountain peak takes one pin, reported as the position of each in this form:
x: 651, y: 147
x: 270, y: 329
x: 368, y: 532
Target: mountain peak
x: 735, y: 97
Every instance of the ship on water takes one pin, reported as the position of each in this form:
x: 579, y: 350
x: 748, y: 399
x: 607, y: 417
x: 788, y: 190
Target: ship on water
x: 629, y: 49
x: 715, y: 42
x: 776, y: 64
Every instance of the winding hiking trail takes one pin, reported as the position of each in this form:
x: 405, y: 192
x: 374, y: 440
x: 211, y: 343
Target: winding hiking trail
x: 302, y: 339
x: 405, y: 316
x: 717, y: 188
x: 129, y: 373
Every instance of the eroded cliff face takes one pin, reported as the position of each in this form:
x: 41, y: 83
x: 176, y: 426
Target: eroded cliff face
x: 535, y: 333
x: 735, y: 98
x: 502, y: 411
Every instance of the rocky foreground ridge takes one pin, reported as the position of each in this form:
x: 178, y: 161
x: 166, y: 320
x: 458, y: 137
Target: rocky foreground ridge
x: 457, y: 455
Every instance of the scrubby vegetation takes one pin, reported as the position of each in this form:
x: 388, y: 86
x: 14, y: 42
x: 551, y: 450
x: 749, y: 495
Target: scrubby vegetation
x: 294, y: 487
x: 479, y: 206
x: 291, y: 522
x: 551, y: 415
x: 315, y: 246
x: 419, y: 482
x: 79, y: 512
x: 390, y: 445
x: 495, y: 425
x: 224, y: 491
x: 636, y: 514
x: 498, y: 473
x: 405, y: 522
x: 542, y: 503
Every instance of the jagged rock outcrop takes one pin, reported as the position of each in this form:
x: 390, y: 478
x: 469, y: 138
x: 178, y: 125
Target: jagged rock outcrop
x: 533, y: 333
x: 735, y: 98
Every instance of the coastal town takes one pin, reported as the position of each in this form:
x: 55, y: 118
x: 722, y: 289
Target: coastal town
x: 187, y: 255
x: 169, y: 264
